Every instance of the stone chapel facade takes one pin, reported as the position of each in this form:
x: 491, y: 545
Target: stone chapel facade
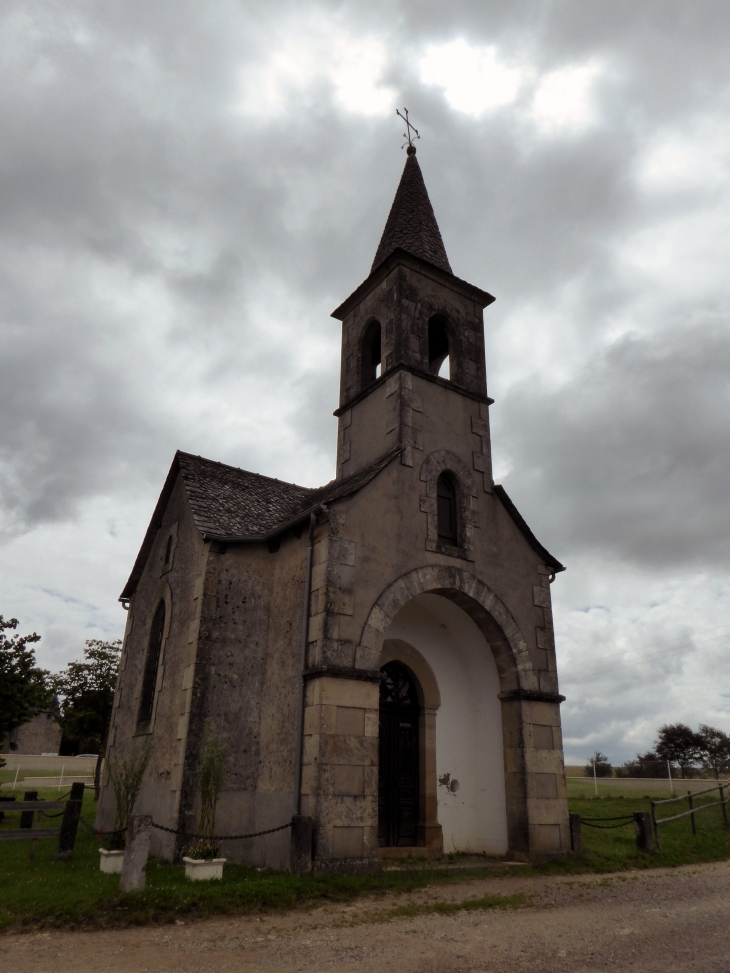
x: 378, y: 651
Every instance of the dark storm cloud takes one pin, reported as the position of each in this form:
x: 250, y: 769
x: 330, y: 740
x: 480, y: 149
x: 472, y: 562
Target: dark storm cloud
x: 632, y: 456
x: 144, y: 209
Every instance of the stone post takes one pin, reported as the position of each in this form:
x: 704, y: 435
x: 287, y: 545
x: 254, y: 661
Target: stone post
x: 302, y: 837
x: 136, y: 852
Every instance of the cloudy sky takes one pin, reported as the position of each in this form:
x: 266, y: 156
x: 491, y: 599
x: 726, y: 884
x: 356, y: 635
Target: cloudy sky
x: 187, y: 190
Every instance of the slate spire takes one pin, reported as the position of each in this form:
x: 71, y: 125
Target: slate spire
x: 411, y: 224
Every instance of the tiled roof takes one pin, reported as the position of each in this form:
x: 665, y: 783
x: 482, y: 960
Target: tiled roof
x: 411, y: 224
x: 230, y: 504
x: 228, y: 501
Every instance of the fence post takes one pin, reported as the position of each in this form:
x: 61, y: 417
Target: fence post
x: 136, y: 852
x: 26, y: 817
x: 17, y: 771
x: 70, y: 823
x: 595, y: 780
x: 576, y: 835
x: 723, y: 805
x: 26, y: 821
x: 692, y: 815
x: 642, y: 827
x: 655, y: 825
x: 671, y: 782
x: 302, y: 835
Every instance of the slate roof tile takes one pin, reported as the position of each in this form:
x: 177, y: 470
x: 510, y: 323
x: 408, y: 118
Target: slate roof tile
x: 232, y: 504
x: 411, y: 224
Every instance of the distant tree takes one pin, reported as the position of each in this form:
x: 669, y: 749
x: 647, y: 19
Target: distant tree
x: 714, y: 749
x: 644, y: 765
x: 603, y: 767
x: 86, y: 691
x: 678, y: 744
x: 24, y: 687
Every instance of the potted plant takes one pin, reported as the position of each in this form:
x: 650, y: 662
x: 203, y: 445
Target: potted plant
x: 203, y: 863
x: 126, y: 775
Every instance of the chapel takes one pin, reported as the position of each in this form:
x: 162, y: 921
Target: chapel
x: 378, y: 652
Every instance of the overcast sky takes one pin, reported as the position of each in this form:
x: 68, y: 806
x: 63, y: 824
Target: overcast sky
x: 187, y: 190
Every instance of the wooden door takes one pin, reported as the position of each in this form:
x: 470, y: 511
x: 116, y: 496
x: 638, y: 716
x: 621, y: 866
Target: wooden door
x: 398, y: 753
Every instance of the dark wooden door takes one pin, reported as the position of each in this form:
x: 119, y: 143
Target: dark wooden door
x: 398, y: 751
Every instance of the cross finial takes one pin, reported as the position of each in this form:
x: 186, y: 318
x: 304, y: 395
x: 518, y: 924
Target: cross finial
x: 407, y: 134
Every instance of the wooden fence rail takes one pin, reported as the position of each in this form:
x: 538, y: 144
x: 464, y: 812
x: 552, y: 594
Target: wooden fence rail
x: 69, y: 812
x: 689, y: 797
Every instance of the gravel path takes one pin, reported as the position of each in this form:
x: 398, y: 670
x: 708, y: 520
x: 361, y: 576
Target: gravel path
x: 661, y: 920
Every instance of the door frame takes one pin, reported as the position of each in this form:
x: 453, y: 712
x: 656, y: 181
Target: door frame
x: 429, y: 834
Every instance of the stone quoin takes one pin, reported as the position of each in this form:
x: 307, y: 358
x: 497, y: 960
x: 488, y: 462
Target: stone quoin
x: 426, y: 717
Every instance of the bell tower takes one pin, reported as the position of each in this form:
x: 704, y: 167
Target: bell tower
x: 412, y: 328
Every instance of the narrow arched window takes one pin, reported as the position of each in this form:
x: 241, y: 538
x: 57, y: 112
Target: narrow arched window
x: 371, y: 354
x: 446, y: 509
x: 438, y: 347
x: 168, y: 549
x: 152, y: 661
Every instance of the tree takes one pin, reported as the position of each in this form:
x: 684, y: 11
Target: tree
x: 678, y: 744
x: 24, y: 686
x: 644, y: 765
x: 602, y: 767
x: 714, y: 749
x: 86, y: 690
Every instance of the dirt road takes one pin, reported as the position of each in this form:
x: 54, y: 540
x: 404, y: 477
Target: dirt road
x: 664, y: 920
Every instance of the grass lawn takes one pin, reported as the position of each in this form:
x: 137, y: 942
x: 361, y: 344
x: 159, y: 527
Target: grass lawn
x: 49, y: 893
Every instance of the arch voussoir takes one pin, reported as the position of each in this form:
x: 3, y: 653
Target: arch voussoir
x: 470, y: 593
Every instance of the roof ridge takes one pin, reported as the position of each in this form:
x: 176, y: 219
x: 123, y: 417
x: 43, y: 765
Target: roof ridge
x: 240, y: 469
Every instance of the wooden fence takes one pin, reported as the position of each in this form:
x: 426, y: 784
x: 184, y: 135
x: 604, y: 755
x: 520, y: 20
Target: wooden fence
x: 69, y: 812
x: 689, y: 797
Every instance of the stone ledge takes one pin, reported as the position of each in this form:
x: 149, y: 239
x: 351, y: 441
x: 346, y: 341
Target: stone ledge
x: 344, y: 672
x: 531, y: 695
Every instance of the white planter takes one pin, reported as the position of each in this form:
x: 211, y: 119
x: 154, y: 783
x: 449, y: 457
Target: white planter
x: 200, y: 870
x: 110, y: 862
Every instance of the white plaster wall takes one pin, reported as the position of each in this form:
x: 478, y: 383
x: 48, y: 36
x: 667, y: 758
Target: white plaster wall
x: 468, y: 723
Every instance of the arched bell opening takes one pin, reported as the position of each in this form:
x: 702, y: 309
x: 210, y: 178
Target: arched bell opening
x: 371, y: 354
x: 438, y: 347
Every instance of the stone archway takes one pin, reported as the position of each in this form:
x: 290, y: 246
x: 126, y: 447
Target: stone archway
x: 526, y: 781
x: 478, y: 600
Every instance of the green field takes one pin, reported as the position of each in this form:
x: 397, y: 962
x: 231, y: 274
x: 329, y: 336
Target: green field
x: 46, y: 893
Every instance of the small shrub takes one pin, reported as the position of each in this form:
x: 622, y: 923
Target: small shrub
x: 211, y: 766
x: 125, y: 774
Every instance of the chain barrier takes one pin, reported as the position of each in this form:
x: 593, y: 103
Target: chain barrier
x: 620, y: 817
x: 221, y: 837
x: 187, y: 834
x: 102, y: 833
x: 589, y: 823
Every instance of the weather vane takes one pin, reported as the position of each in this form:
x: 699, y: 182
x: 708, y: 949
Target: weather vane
x: 407, y: 134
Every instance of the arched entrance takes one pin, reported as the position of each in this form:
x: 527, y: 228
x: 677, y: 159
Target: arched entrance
x: 399, y: 751
x: 464, y: 771
x: 524, y: 706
